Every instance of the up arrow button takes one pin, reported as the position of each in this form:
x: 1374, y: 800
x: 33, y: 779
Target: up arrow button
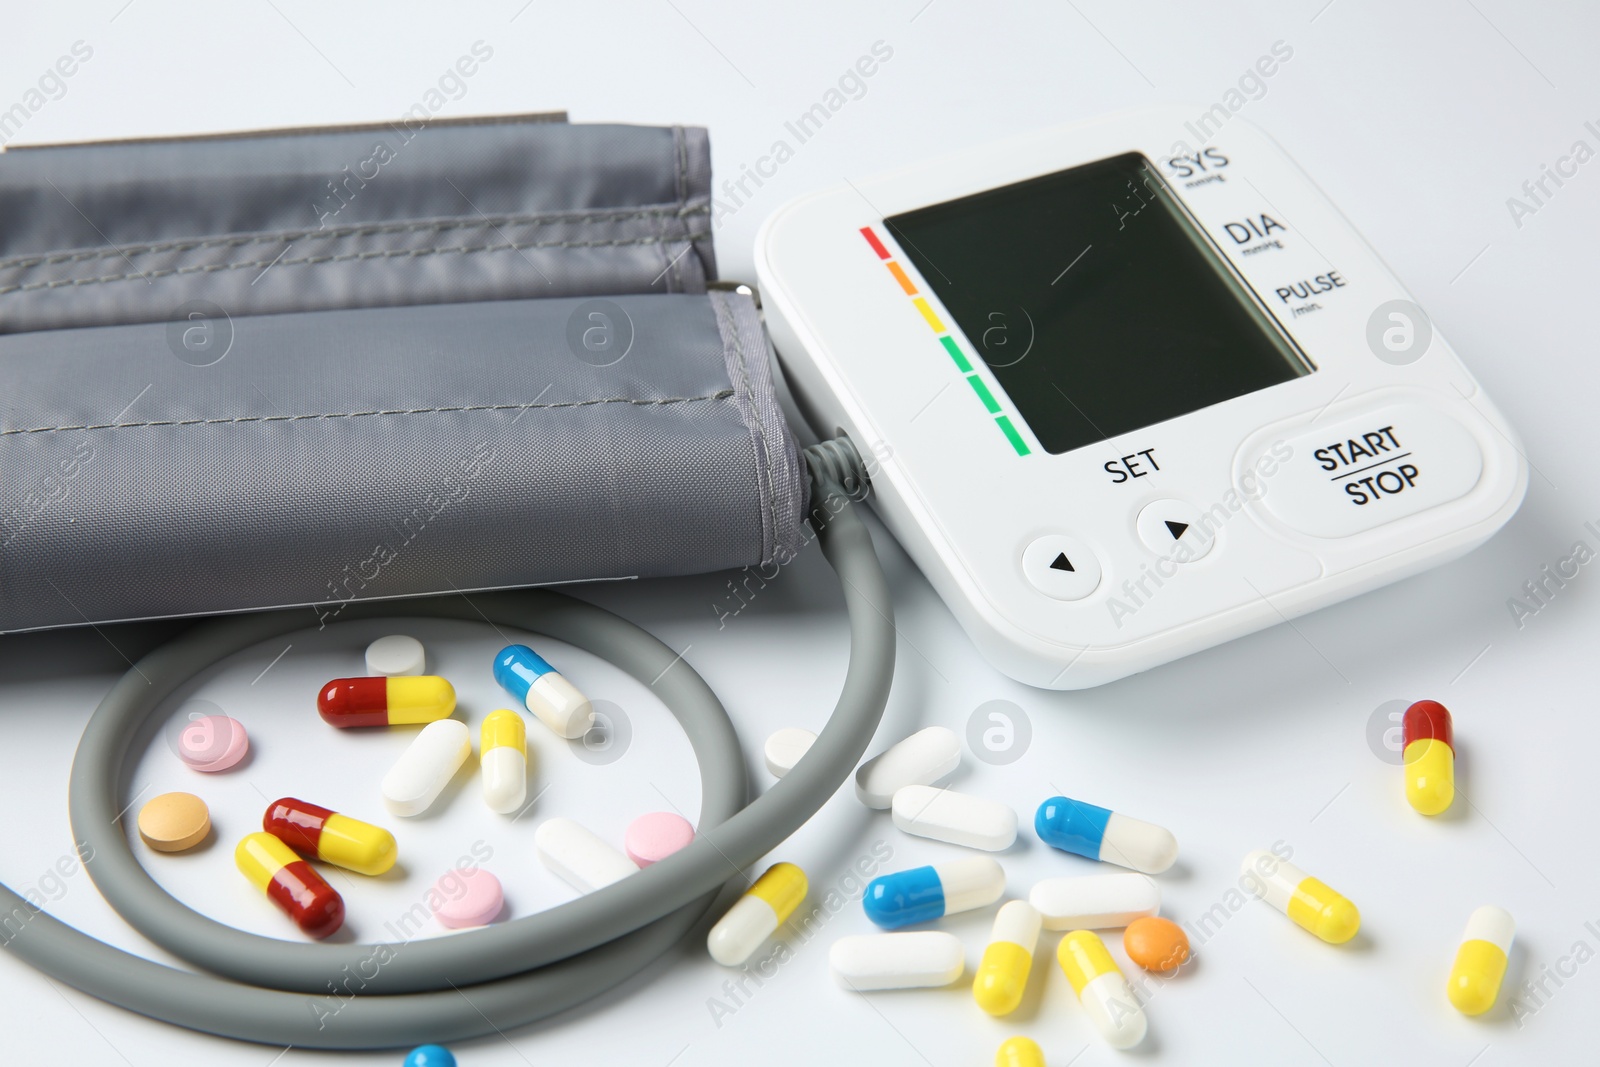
x: 1061, y: 567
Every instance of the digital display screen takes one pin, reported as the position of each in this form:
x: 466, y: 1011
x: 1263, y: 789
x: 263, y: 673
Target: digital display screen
x: 1096, y: 301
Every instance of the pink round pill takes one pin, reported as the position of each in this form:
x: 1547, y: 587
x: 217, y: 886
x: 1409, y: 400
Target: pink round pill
x: 652, y: 838
x: 213, y: 743
x: 468, y: 896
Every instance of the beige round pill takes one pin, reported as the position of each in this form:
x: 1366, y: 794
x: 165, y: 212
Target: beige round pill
x: 173, y: 822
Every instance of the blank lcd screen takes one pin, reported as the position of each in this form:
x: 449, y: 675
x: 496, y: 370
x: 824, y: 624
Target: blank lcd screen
x: 1096, y: 301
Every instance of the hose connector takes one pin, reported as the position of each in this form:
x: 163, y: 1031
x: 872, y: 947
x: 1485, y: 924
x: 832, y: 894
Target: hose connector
x: 837, y: 465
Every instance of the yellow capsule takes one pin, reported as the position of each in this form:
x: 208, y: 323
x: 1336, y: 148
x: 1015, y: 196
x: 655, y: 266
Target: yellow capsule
x: 1481, y: 960
x: 1019, y: 1052
x: 399, y: 701
x: 756, y: 915
x: 1003, y: 973
x: 1101, y: 989
x: 290, y: 883
x: 1310, y: 903
x: 1430, y: 775
x: 503, y: 760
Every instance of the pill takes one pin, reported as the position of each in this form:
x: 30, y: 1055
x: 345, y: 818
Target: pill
x: 1101, y: 989
x: 503, y: 758
x: 578, y: 857
x: 1430, y: 756
x: 754, y: 917
x: 1003, y: 971
x: 426, y: 767
x: 1095, y: 901
x: 174, y: 822
x: 330, y: 837
x: 348, y: 702
x: 290, y: 883
x: 1310, y: 903
x: 430, y: 1056
x: 395, y: 655
x: 552, y: 699
x: 1156, y: 944
x: 921, y: 894
x: 1481, y: 960
x: 213, y: 743
x: 920, y: 959
x: 958, y: 818
x: 1019, y: 1052
x: 785, y: 748
x: 921, y: 759
x: 653, y: 837
x: 467, y: 896
x: 1100, y: 834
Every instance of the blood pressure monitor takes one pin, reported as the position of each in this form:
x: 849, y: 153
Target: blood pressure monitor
x: 1130, y: 394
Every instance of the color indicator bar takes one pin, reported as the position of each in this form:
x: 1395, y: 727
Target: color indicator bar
x: 963, y: 364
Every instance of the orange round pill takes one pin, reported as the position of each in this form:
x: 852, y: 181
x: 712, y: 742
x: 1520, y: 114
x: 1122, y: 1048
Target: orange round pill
x: 1156, y: 944
x: 174, y: 822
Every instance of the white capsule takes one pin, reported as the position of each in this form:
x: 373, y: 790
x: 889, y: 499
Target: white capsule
x: 1095, y: 901
x: 426, y: 767
x: 581, y: 859
x: 394, y: 656
x: 924, y: 758
x: 785, y: 748
x: 922, y: 959
x: 957, y: 818
x: 503, y: 758
x: 769, y: 902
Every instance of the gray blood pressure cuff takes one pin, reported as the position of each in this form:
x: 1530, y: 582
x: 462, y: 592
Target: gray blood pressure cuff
x: 312, y: 367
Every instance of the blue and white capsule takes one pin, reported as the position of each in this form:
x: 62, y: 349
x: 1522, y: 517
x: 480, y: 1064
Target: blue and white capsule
x: 923, y: 894
x: 552, y: 699
x: 1100, y: 834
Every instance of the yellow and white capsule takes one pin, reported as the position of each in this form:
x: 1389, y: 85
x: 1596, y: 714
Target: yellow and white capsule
x: 1310, y: 903
x: 1481, y: 960
x: 757, y: 914
x: 1101, y: 989
x: 504, y: 761
x: 1019, y: 1052
x: 1003, y: 971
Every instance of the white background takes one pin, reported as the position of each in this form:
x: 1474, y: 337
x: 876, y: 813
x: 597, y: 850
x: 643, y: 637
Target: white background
x: 1419, y: 119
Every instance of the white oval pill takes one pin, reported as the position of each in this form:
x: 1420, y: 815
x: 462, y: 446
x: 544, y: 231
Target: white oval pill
x: 1095, y: 901
x: 426, y: 767
x: 957, y: 818
x: 578, y: 857
x: 923, y: 959
x: 395, y: 655
x: 785, y: 748
x: 921, y: 759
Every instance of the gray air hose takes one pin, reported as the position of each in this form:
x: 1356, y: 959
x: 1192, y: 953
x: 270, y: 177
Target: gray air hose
x: 486, y: 980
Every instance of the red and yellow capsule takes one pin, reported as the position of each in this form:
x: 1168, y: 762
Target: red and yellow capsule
x: 290, y: 883
x: 399, y: 701
x: 331, y: 837
x: 1430, y: 756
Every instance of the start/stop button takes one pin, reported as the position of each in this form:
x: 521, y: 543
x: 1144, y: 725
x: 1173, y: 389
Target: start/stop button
x: 1366, y: 470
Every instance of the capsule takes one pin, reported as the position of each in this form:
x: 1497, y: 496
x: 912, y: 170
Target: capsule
x: 754, y: 917
x: 1481, y: 960
x: 1101, y: 989
x: 1003, y: 971
x: 401, y: 701
x: 922, y: 894
x: 1310, y: 903
x: 580, y: 857
x: 290, y: 883
x: 331, y: 837
x: 503, y: 757
x: 911, y: 959
x: 1100, y: 834
x: 556, y: 702
x: 426, y: 767
x: 1430, y: 756
x: 1019, y: 1052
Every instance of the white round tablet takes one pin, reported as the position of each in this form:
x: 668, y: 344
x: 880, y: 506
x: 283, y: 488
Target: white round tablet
x: 785, y: 748
x: 395, y: 655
